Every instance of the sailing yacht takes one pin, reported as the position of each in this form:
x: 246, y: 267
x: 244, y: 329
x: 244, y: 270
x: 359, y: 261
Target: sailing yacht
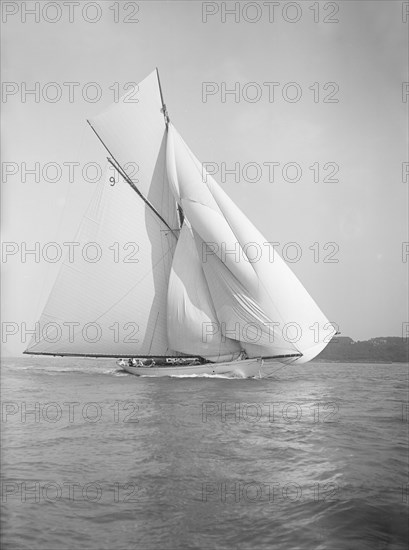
x: 177, y: 302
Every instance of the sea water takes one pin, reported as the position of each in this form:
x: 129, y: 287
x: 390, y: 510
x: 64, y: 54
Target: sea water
x: 93, y: 458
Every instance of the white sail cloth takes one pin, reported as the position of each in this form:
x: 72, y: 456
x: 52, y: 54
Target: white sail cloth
x: 134, y: 132
x: 153, y: 291
x: 117, y: 305
x: 259, y: 303
x: 193, y: 327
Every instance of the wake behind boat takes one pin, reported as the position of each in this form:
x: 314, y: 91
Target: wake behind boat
x: 189, y: 296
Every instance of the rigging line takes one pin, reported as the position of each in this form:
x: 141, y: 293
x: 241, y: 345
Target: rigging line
x: 119, y: 169
x: 286, y: 364
x: 160, y: 87
x: 128, y: 180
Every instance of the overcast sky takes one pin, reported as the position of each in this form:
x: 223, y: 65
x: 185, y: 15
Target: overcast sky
x: 353, y: 55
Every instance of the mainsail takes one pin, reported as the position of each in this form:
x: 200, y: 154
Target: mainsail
x: 190, y: 287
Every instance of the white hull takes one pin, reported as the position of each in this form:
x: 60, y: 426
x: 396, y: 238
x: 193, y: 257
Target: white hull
x: 248, y: 368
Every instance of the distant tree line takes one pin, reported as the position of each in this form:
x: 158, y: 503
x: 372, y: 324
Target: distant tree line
x: 382, y: 350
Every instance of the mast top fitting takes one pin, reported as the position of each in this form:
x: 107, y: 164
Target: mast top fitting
x: 165, y: 114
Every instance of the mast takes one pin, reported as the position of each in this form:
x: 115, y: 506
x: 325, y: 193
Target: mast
x: 167, y: 120
x: 164, y: 110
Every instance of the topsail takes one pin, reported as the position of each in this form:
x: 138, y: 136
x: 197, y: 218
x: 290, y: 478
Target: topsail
x: 184, y: 295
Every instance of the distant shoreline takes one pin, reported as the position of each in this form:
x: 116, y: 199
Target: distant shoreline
x: 389, y: 349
